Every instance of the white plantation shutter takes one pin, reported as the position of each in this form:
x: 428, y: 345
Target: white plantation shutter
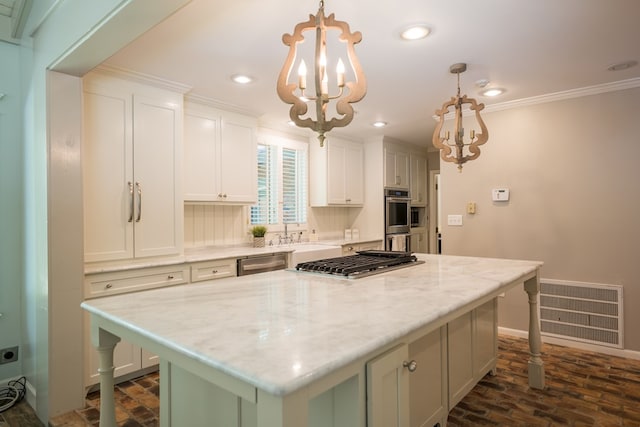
x: 266, y: 210
x: 282, y: 182
x: 294, y: 186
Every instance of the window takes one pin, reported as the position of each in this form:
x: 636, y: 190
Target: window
x: 282, y: 183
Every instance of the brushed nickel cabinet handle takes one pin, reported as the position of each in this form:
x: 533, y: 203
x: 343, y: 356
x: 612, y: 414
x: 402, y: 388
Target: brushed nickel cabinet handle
x: 139, y: 202
x: 130, y: 201
x: 411, y: 365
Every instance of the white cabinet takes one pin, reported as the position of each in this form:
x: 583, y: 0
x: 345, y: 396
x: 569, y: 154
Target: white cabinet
x: 418, y: 240
x: 132, y: 178
x: 428, y: 383
x: 337, y: 173
x: 472, y: 348
x: 219, y: 156
x: 418, y: 188
x: 396, y: 168
x: 388, y: 389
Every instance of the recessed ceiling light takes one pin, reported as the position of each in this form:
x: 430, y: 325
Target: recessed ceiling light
x: 622, y: 65
x: 494, y: 91
x: 379, y: 124
x: 415, y: 32
x: 242, y: 79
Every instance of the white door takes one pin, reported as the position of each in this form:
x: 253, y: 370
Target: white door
x: 237, y: 161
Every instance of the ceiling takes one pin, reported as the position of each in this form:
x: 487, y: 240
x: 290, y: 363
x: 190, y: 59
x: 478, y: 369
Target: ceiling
x: 530, y: 48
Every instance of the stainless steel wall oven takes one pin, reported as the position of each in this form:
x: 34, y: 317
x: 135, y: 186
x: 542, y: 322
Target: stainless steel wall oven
x: 397, y: 218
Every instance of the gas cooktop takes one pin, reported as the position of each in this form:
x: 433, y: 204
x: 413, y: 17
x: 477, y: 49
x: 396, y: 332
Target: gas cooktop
x: 364, y: 263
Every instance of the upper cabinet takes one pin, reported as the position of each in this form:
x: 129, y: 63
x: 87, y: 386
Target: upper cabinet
x: 132, y: 176
x: 219, y: 156
x: 396, y: 168
x: 418, y: 188
x: 337, y: 173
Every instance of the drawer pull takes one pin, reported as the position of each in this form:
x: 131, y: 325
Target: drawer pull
x: 108, y: 286
x: 170, y: 277
x: 214, y: 271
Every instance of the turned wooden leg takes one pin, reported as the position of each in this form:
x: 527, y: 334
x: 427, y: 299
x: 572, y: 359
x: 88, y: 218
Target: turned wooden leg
x: 105, y: 343
x: 536, y: 365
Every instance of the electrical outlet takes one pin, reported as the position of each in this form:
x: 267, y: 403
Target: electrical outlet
x: 9, y: 354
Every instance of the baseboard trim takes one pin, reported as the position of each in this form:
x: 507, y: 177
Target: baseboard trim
x: 619, y: 352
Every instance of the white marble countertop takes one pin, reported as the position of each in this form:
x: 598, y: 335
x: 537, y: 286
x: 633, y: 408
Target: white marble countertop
x: 282, y: 330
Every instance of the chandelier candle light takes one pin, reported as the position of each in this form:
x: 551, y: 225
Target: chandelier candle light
x: 356, y: 90
x: 475, y: 139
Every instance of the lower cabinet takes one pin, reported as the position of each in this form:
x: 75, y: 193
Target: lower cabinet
x: 428, y: 383
x: 472, y: 341
x: 388, y: 389
x: 417, y: 382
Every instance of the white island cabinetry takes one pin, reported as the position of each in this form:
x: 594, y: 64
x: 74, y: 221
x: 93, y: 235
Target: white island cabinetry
x: 132, y: 177
x: 294, y: 376
x: 337, y: 170
x: 219, y: 156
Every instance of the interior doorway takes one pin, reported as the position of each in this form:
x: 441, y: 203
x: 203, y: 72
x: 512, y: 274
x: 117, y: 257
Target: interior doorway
x: 435, y: 245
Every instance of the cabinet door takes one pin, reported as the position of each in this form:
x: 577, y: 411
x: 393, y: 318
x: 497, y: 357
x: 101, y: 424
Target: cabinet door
x: 428, y: 383
x: 157, y: 147
x: 336, y: 169
x: 108, y: 182
x: 126, y: 359
x: 201, y: 135
x: 486, y: 338
x: 354, y: 174
x: 237, y: 161
x: 418, y: 180
x: 460, y: 363
x: 396, y: 169
x: 388, y: 389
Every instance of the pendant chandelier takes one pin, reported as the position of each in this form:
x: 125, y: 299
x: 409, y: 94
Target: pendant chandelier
x: 459, y: 151
x: 320, y: 93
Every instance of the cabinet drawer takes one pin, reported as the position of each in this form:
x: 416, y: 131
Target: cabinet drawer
x: 98, y: 285
x: 208, y: 270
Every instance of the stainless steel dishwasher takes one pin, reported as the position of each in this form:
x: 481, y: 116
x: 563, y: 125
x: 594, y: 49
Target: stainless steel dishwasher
x: 262, y: 263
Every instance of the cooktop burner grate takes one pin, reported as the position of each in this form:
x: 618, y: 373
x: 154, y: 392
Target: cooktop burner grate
x: 363, y: 263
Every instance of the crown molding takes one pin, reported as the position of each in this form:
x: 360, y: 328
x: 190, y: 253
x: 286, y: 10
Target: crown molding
x: 554, y: 97
x: 220, y: 105
x: 142, y: 78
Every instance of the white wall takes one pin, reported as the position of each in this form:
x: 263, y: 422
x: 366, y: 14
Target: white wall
x: 572, y: 168
x: 11, y: 211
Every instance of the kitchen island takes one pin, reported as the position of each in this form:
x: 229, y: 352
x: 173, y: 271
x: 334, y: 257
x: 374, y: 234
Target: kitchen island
x: 292, y: 349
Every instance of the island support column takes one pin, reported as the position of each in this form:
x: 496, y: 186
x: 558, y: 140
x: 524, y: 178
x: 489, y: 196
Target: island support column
x: 536, y: 365
x: 105, y: 343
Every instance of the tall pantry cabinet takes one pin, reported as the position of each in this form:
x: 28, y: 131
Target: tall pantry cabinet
x: 132, y: 156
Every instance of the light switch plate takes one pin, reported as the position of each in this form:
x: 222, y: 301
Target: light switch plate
x: 455, y: 220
